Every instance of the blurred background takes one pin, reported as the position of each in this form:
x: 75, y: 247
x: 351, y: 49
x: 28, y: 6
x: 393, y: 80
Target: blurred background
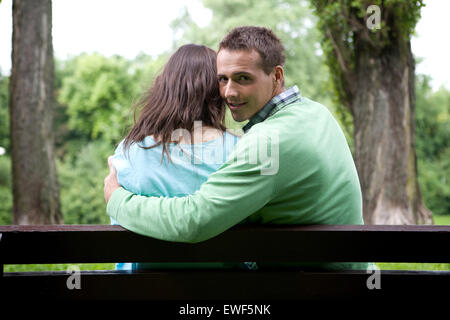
x: 106, y: 54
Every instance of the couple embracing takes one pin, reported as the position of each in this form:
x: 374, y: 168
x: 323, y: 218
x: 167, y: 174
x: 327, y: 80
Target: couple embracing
x: 179, y: 175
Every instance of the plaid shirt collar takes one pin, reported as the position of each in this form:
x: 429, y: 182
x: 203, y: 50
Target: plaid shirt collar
x: 278, y: 102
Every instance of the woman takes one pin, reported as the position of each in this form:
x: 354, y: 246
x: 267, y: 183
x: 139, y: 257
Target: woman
x: 179, y: 137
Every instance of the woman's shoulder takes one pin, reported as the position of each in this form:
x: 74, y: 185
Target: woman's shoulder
x: 146, y: 142
x: 137, y: 150
x: 234, y: 134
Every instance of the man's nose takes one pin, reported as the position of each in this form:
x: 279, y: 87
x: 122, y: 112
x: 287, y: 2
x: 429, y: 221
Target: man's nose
x: 230, y: 90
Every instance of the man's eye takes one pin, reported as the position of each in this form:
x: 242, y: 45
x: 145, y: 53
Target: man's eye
x: 243, y: 78
x: 222, y: 79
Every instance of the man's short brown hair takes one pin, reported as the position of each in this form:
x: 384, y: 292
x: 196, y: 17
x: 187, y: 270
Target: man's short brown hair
x: 261, y: 39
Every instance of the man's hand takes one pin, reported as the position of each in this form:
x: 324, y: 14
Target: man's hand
x: 111, y: 182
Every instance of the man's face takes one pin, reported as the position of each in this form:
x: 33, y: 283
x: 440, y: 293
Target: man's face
x: 243, y: 84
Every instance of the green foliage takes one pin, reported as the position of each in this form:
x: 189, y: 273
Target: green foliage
x: 4, y: 113
x: 433, y: 145
x: 81, y: 183
x: 347, y: 18
x: 5, y: 190
x: 57, y: 267
x: 434, y: 177
x: 432, y: 119
x: 96, y: 97
x: 98, y: 93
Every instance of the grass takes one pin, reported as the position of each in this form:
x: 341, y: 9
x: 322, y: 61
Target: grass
x: 442, y: 220
x: 111, y: 266
x: 438, y: 220
x: 414, y: 266
x: 57, y: 267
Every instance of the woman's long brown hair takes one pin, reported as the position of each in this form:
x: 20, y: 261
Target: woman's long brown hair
x: 187, y: 90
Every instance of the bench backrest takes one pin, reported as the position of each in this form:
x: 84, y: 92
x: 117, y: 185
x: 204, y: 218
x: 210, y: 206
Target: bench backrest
x: 268, y: 243
x: 261, y: 243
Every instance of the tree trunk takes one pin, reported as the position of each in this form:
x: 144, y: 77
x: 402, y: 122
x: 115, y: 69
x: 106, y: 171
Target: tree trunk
x: 35, y: 186
x: 383, y: 109
x: 369, y: 55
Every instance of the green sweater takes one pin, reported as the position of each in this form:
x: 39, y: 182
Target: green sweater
x: 293, y: 168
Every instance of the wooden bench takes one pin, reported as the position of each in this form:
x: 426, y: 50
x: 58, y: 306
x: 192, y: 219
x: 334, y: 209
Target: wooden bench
x: 262, y: 243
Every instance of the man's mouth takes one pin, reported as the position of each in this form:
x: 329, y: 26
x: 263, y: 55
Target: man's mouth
x: 234, y: 106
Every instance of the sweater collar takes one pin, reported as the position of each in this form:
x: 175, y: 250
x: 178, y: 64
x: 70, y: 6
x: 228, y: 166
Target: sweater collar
x: 275, y: 104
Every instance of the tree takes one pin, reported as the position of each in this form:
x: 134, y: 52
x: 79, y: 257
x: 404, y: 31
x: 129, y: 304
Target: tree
x: 34, y: 183
x: 372, y: 68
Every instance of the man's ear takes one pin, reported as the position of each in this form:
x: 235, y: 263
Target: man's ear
x: 278, y: 76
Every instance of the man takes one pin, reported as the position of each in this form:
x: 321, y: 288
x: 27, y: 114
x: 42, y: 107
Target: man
x: 309, y: 177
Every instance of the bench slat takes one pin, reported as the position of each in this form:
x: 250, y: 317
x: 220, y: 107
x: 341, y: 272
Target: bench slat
x: 226, y: 285
x: 268, y: 243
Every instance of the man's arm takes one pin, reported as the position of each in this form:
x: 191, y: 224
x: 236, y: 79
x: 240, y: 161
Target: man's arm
x: 234, y: 192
